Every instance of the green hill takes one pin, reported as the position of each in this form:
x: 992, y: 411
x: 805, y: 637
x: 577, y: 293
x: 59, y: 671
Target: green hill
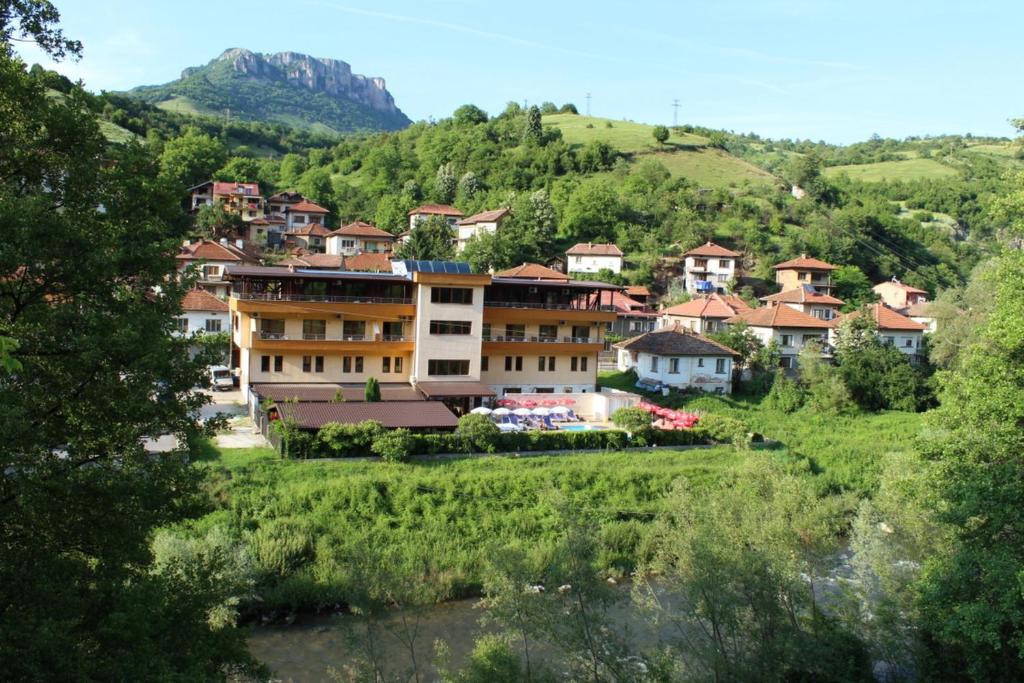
x: 906, y: 169
x: 321, y: 95
x: 685, y: 155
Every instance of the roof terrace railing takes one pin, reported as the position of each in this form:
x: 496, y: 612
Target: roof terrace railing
x: 547, y: 307
x: 540, y: 340
x: 280, y: 336
x: 322, y: 298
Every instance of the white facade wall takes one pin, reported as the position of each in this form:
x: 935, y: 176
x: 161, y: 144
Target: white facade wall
x: 196, y: 321
x: 680, y: 371
x: 719, y: 271
x: 790, y: 340
x: 593, y: 264
x: 468, y: 231
x: 447, y: 346
x: 907, y: 341
x: 820, y: 311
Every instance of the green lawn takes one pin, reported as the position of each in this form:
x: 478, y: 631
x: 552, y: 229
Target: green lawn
x: 908, y: 169
x: 185, y: 105
x: 625, y: 136
x: 712, y: 167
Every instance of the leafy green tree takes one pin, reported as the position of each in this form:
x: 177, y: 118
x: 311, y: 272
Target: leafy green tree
x: 660, y: 134
x: 469, y: 185
x: 970, y: 596
x: 394, y: 445
x: 494, y: 250
x: 786, y: 396
x: 100, y: 373
x: 316, y: 186
x: 533, y: 132
x: 371, y: 393
x: 632, y: 419
x: 853, y: 287
x: 391, y: 214
x: 238, y: 170
x: 213, y: 221
x: 291, y: 169
x: 593, y: 212
x: 431, y: 240
x: 469, y: 115
x: 192, y: 158
x: 478, y: 433
x: 445, y: 183
x: 826, y: 391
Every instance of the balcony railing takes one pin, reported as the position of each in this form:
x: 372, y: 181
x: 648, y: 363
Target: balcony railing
x: 546, y: 307
x: 540, y: 340
x: 324, y: 298
x: 280, y: 336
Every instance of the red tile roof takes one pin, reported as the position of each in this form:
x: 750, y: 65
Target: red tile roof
x: 533, y: 271
x: 286, y: 197
x: 624, y: 305
x: 803, y: 295
x: 321, y: 261
x: 361, y: 229
x: 637, y: 290
x: 248, y: 189
x: 712, y: 249
x: 437, y: 210
x: 201, y: 300
x: 899, y: 285
x: 885, y: 318
x: 921, y: 310
x: 207, y: 250
x: 590, y: 249
x: 307, y: 207
x: 368, y: 263
x: 313, y: 393
x: 272, y: 218
x: 485, y: 217
x: 391, y: 414
x: 453, y: 389
x: 310, y: 230
x: 804, y: 263
x: 675, y: 341
x: 712, y: 306
x: 778, y: 316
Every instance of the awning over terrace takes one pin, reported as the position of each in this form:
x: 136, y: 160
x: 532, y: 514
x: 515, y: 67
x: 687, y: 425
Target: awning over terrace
x: 391, y: 414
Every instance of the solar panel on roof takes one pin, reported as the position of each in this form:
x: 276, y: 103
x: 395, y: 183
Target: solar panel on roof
x: 451, y: 267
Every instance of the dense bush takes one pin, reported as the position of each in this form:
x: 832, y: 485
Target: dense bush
x: 725, y: 429
x: 478, y: 433
x: 632, y: 419
x: 336, y: 440
x: 785, y: 395
x: 394, y: 445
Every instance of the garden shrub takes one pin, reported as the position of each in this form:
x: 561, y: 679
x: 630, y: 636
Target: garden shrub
x: 281, y: 545
x: 337, y: 440
x: 632, y: 419
x: 395, y: 445
x: 478, y: 434
x: 725, y: 429
x: 785, y: 395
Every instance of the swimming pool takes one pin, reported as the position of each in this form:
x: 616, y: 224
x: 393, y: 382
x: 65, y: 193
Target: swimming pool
x: 579, y: 428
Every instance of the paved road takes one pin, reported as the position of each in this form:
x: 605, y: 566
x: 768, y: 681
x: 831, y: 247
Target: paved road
x: 241, y: 433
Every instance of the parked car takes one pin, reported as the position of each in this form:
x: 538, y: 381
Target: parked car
x: 221, y: 378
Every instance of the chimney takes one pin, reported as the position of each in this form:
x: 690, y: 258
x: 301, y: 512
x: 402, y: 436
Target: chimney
x: 240, y: 244
x: 224, y: 241
x: 186, y: 243
x: 803, y: 255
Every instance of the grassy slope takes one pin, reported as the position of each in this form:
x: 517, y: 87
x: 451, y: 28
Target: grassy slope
x: 684, y: 155
x: 111, y: 131
x: 907, y: 169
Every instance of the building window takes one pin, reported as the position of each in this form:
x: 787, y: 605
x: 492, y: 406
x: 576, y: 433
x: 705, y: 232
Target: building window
x: 314, y: 329
x: 359, y: 363
x: 271, y: 328
x: 583, y: 363
x: 548, y: 332
x: 346, y: 364
x: 450, y: 327
x: 318, y: 364
x: 398, y: 363
x: 786, y: 362
x: 348, y: 244
x: 581, y: 332
x: 787, y: 340
x: 515, y: 332
x: 908, y: 342
x: 811, y: 338
x: 719, y: 366
x: 544, y: 390
x: 519, y: 363
x: 385, y: 364
x: 508, y: 363
x: 211, y: 271
x: 265, y: 363
x: 484, y: 363
x: 307, y: 363
x: 540, y: 363
x: 181, y: 324
x: 447, y: 367
x: 278, y: 363
x: 551, y: 363
x: 573, y: 364
x: 700, y: 362
x: 451, y: 295
x: 353, y: 330
x: 724, y: 263
x: 654, y: 363
x: 298, y: 219
x: 673, y: 366
x: 512, y: 390
x: 212, y: 325
x: 888, y: 341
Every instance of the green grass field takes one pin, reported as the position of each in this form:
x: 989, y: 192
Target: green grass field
x: 908, y: 169
x: 684, y: 155
x: 184, y: 105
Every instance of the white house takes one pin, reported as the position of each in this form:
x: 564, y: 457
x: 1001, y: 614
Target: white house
x: 709, y: 268
x: 478, y: 224
x: 894, y: 329
x: 202, y: 313
x: 211, y: 258
x: 450, y: 214
x: 311, y: 237
x: 806, y: 299
x: 304, y: 213
x: 899, y: 296
x: 704, y: 313
x: 790, y: 329
x: 679, y: 358
x: 358, y: 238
x: 591, y: 258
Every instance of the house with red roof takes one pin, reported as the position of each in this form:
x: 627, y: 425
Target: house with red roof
x: 305, y: 213
x: 202, y: 313
x: 358, y: 238
x: 479, y: 224
x: 532, y: 271
x: 282, y: 202
x: 899, y: 296
x: 633, y: 317
x: 268, y: 230
x: 790, y: 329
x: 894, y: 328
x: 209, y: 259
x: 679, y: 358
x: 710, y: 268
x: 590, y: 258
x: 805, y: 271
x: 421, y: 213
x: 241, y: 198
x: 311, y: 237
x: 703, y: 314
x: 806, y: 299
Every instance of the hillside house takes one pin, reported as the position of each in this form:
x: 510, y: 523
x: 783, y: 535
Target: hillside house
x: 790, y: 329
x: 710, y: 268
x: 202, y: 313
x: 679, y: 358
x: 479, y: 224
x: 241, y: 198
x: 268, y: 230
x: 533, y: 271
x: 421, y: 213
x: 704, y: 313
x: 365, y: 263
x: 282, y: 202
x: 211, y: 258
x: 805, y: 271
x: 359, y: 237
x: 311, y: 237
x: 897, y: 295
x: 304, y: 213
x: 894, y: 329
x: 632, y: 316
x: 639, y: 293
x: 806, y: 299
x: 591, y: 258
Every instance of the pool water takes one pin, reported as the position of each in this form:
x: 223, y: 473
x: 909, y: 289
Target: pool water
x: 578, y: 428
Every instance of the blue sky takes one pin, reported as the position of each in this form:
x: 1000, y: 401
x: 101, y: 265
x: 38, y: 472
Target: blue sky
x: 819, y: 69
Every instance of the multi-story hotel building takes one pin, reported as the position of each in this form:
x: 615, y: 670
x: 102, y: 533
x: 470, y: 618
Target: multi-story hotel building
x: 451, y: 334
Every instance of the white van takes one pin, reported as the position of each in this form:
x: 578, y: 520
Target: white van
x: 221, y: 378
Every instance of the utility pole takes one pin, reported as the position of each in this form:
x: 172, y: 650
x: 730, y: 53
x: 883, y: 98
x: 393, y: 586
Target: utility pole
x: 675, y: 113
x: 588, y: 104
x: 227, y: 116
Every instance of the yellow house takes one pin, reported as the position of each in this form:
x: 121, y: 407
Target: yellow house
x: 802, y: 271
